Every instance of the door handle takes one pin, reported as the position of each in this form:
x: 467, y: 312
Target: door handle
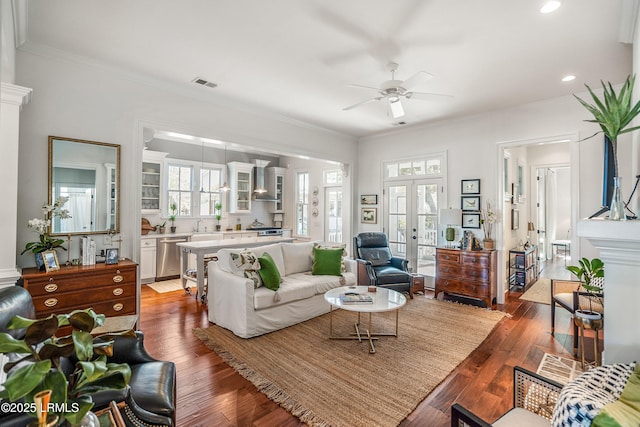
x: 414, y: 237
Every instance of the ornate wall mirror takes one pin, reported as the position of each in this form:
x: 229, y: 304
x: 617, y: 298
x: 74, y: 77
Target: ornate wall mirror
x: 88, y: 173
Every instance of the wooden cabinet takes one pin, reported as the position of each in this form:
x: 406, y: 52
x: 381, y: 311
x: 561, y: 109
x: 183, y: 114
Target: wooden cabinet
x: 470, y: 274
x: 241, y: 187
x: 523, y: 267
x: 108, y: 289
x: 275, y: 187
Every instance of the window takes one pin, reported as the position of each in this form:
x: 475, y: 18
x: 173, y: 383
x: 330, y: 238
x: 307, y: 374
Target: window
x: 209, y: 190
x: 179, y: 186
x: 302, y: 204
x: 333, y: 205
x: 426, y: 167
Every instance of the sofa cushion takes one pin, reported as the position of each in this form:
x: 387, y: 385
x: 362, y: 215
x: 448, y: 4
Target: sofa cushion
x: 291, y: 289
x: 327, y: 261
x: 269, y: 272
x: 298, y: 257
x: 322, y: 284
x: 275, y: 250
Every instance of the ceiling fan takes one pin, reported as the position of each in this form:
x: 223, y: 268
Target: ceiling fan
x: 393, y: 90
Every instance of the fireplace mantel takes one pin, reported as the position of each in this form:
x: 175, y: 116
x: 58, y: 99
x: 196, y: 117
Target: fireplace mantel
x: 618, y: 243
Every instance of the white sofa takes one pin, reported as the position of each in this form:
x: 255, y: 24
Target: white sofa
x: 236, y: 305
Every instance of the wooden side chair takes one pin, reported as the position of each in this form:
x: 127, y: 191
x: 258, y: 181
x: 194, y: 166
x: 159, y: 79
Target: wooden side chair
x: 569, y: 295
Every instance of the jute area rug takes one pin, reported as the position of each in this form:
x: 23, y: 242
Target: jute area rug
x: 539, y: 292
x: 338, y: 383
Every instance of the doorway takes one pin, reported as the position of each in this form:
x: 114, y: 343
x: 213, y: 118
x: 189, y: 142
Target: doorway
x: 553, y: 215
x: 411, y: 222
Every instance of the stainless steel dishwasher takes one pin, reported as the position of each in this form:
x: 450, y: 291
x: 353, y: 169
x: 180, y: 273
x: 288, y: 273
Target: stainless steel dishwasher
x: 168, y: 257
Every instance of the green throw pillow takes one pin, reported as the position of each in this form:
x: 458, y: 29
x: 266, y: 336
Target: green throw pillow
x: 626, y: 410
x: 327, y: 262
x: 269, y: 272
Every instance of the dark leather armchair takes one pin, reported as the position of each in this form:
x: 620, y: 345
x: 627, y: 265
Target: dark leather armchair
x: 151, y: 393
x: 377, y: 266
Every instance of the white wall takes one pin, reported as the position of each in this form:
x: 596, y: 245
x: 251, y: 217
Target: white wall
x: 79, y: 100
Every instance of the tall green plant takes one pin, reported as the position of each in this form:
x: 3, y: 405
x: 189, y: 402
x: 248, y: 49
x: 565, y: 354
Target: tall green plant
x: 40, y: 368
x: 586, y: 272
x: 614, y: 113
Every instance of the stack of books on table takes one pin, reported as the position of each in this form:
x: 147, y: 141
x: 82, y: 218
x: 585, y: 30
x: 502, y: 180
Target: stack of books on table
x: 355, y: 298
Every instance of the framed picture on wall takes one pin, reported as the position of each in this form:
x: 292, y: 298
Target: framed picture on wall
x: 369, y: 199
x: 470, y: 203
x: 369, y: 216
x: 470, y: 220
x: 515, y: 219
x: 470, y: 186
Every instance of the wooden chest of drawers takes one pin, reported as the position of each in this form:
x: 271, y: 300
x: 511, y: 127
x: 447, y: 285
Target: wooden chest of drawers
x: 470, y: 274
x: 108, y: 289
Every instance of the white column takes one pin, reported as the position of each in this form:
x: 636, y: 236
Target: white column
x: 619, y: 246
x: 12, y: 98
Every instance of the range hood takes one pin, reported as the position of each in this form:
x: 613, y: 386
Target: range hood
x: 260, y: 191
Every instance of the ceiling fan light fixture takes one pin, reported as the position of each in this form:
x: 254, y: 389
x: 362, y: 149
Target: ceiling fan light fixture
x: 396, y: 108
x: 550, y: 6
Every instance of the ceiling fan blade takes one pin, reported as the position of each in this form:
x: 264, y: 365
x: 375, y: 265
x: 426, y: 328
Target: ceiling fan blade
x: 362, y: 103
x: 363, y: 86
x: 426, y: 96
x: 416, y: 80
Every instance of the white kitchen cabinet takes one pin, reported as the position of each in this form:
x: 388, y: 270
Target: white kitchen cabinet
x: 148, y: 260
x: 151, y: 192
x: 275, y: 186
x: 241, y: 183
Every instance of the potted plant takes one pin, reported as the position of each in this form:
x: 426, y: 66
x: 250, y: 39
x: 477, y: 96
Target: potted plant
x: 173, y: 208
x: 42, y: 226
x: 41, y: 370
x: 160, y: 228
x: 217, y: 209
x: 614, y: 113
x: 487, y: 219
x: 586, y: 272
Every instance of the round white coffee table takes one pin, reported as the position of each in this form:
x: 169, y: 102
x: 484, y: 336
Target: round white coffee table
x: 382, y: 300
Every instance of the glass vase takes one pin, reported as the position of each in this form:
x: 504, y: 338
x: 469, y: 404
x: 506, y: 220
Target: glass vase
x: 616, y: 209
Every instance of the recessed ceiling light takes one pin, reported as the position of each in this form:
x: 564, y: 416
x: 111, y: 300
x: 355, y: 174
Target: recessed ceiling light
x: 568, y: 78
x: 550, y: 6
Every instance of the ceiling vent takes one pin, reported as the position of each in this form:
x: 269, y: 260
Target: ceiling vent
x: 399, y: 123
x: 203, y: 82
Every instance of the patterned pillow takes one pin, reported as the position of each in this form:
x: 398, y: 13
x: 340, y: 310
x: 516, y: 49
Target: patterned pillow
x: 583, y: 398
x: 246, y: 264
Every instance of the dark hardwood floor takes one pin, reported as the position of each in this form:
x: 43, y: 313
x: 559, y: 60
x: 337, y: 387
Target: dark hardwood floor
x: 210, y: 393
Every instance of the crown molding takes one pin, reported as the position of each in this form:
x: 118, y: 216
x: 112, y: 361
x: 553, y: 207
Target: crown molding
x: 14, y: 95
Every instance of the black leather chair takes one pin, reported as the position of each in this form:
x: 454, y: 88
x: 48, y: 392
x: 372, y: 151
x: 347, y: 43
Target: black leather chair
x: 377, y: 266
x: 151, y: 394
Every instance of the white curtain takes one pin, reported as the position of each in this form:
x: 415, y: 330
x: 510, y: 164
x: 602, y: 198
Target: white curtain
x: 551, y: 201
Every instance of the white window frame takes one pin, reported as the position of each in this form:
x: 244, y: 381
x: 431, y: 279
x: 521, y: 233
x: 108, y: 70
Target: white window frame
x: 302, y: 205
x: 196, y: 185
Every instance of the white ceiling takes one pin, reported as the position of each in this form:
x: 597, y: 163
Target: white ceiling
x: 295, y: 57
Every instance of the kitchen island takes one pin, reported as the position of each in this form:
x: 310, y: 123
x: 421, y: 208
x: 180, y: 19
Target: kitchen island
x: 202, y: 248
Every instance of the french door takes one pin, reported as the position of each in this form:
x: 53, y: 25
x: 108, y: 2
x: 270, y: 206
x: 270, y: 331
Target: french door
x: 411, y: 222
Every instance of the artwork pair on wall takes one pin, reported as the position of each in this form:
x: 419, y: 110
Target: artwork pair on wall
x: 369, y: 215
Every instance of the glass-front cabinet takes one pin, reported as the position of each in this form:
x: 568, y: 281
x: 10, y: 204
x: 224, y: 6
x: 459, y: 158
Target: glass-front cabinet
x: 275, y: 187
x: 151, y: 194
x: 241, y: 187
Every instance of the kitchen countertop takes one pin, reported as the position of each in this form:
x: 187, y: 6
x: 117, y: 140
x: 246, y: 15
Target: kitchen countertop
x: 192, y: 233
